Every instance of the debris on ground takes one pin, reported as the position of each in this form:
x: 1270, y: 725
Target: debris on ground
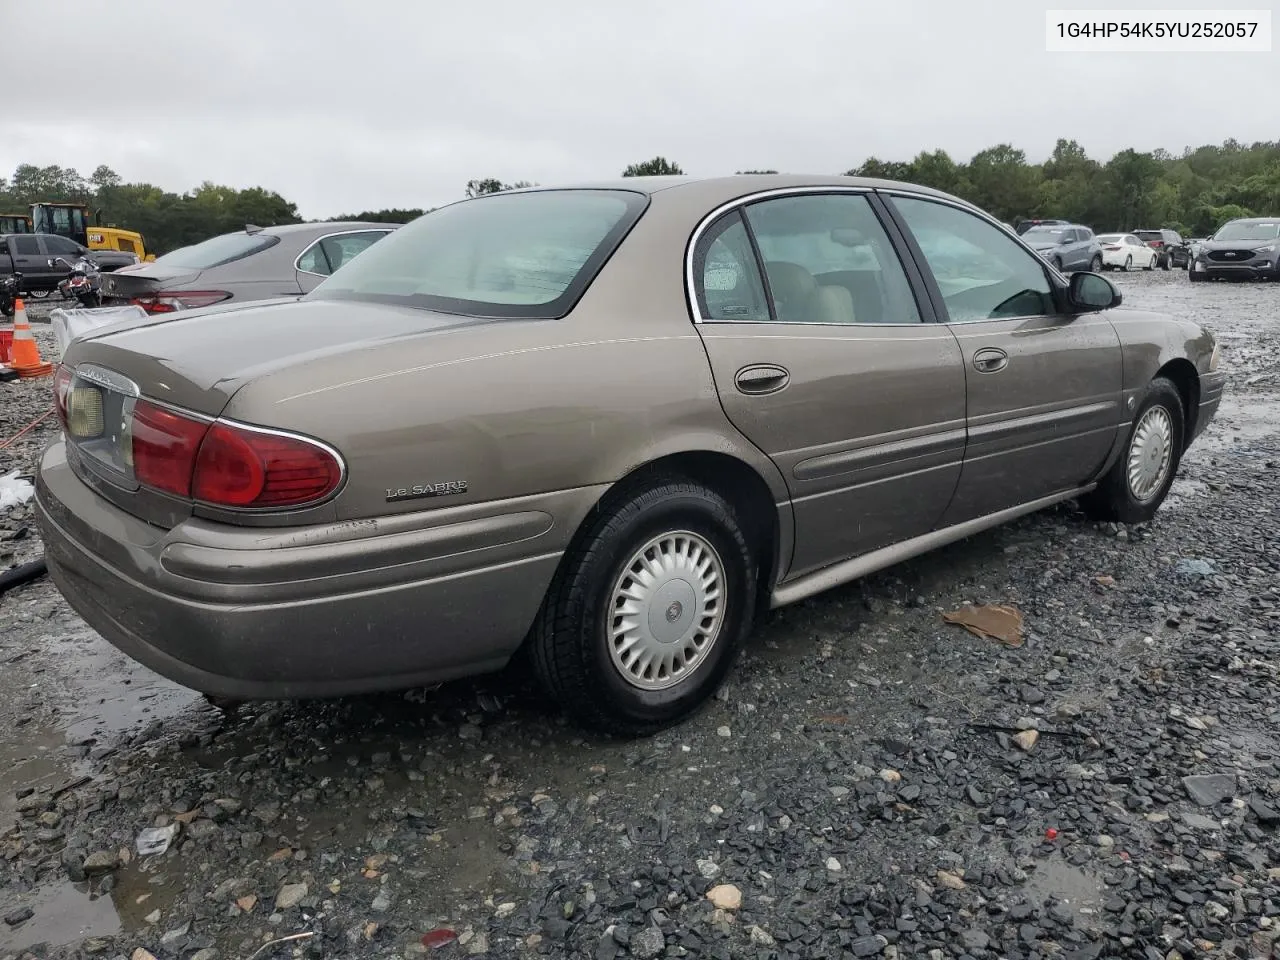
x: 992, y: 621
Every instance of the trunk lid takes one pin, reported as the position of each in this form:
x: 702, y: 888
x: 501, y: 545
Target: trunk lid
x: 144, y: 278
x: 196, y: 361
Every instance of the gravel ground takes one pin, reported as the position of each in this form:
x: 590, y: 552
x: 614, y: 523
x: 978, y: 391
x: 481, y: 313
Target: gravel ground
x: 872, y: 783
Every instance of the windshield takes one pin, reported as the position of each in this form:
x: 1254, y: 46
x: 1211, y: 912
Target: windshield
x: 514, y: 255
x: 217, y: 251
x: 1249, y: 230
x: 1045, y: 235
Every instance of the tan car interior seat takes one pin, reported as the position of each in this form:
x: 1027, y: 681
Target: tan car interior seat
x: 799, y: 298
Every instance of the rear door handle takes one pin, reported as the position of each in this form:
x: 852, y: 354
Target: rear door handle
x: 990, y: 360
x: 761, y: 378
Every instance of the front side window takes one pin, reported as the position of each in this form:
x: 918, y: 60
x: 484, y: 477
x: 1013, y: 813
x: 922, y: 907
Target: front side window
x: 513, y: 255
x: 828, y: 260
x: 61, y: 247
x: 981, y: 272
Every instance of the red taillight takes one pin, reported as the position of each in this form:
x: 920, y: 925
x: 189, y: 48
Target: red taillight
x: 227, y: 465
x: 1157, y: 243
x: 173, y: 301
x: 164, y: 448
x: 239, y: 467
x: 61, y: 387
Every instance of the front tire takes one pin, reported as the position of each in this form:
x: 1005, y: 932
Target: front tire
x: 649, y: 609
x: 1139, y: 480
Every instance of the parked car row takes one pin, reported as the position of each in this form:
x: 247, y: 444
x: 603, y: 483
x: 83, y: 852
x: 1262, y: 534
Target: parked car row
x: 600, y: 426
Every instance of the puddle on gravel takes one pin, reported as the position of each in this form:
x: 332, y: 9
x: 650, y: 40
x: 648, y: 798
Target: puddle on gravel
x: 91, y: 693
x: 1070, y: 885
x: 65, y: 913
x: 1239, y: 421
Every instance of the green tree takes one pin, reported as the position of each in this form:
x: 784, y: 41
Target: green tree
x: 478, y: 188
x: 747, y: 172
x: 657, y: 167
x: 390, y: 215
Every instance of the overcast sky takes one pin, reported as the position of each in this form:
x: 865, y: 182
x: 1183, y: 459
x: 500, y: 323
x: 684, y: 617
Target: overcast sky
x: 347, y: 105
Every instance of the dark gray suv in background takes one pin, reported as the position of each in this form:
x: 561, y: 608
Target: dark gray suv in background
x: 1245, y: 249
x: 1068, y: 247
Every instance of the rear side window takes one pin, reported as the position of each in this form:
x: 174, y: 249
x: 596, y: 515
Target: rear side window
x: 328, y: 254
x: 509, y: 255
x: 216, y: 251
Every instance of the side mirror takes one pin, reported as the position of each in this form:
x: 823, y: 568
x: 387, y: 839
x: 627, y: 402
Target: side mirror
x: 1088, y: 292
x: 52, y: 263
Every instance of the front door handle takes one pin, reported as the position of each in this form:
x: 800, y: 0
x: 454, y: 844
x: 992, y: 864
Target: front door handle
x: 761, y: 378
x: 990, y: 360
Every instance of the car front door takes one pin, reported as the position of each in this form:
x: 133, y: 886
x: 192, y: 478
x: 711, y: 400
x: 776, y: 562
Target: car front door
x: 29, y: 259
x: 1044, y: 385
x: 823, y: 358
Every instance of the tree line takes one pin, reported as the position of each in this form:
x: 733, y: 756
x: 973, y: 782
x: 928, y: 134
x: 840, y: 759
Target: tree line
x: 1194, y: 192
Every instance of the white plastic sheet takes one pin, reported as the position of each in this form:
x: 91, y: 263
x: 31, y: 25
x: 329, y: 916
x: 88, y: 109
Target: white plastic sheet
x: 14, y: 491
x: 69, y: 324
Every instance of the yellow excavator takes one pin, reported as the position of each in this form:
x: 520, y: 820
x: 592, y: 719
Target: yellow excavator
x: 15, y: 223
x: 75, y: 221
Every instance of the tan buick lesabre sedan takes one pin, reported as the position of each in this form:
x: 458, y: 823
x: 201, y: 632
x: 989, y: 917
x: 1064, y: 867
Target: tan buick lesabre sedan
x: 602, y: 425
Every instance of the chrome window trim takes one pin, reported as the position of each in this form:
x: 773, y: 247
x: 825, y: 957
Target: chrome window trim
x: 691, y: 289
x: 1049, y: 268
x: 340, y: 233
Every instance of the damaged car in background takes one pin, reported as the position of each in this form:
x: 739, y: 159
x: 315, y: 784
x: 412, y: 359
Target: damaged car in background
x: 257, y: 263
x: 602, y: 428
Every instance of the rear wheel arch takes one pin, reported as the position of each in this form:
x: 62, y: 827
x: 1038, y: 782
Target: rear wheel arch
x: 732, y: 478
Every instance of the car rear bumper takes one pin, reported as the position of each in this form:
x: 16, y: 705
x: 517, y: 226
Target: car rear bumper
x: 342, y: 608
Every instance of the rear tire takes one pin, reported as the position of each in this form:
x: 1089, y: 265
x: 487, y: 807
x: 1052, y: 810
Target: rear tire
x: 1128, y: 263
x: 664, y: 571
x: 1095, y: 265
x: 1139, y: 480
x: 1168, y: 262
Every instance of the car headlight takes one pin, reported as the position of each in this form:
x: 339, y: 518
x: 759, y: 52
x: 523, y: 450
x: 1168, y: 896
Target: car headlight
x: 1214, y: 358
x: 1269, y: 248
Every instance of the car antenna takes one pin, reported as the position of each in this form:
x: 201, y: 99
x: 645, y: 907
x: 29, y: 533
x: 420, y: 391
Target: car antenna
x: 251, y: 228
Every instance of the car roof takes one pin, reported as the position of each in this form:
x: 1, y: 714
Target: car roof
x: 706, y: 193
x: 285, y: 229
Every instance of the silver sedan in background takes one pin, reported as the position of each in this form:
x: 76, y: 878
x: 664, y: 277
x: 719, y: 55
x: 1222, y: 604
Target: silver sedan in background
x: 257, y: 263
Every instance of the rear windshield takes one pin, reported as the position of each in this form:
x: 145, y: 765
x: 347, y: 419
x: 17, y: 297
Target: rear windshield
x: 1249, y: 230
x: 216, y: 251
x: 1110, y: 238
x: 510, y: 255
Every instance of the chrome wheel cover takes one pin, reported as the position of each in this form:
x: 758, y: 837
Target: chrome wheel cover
x: 1150, y: 454
x: 666, y: 610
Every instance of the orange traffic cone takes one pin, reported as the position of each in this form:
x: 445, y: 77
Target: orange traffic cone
x: 26, y: 355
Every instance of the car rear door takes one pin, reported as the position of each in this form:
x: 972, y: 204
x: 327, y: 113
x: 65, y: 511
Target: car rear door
x: 826, y: 359
x: 1044, y: 386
